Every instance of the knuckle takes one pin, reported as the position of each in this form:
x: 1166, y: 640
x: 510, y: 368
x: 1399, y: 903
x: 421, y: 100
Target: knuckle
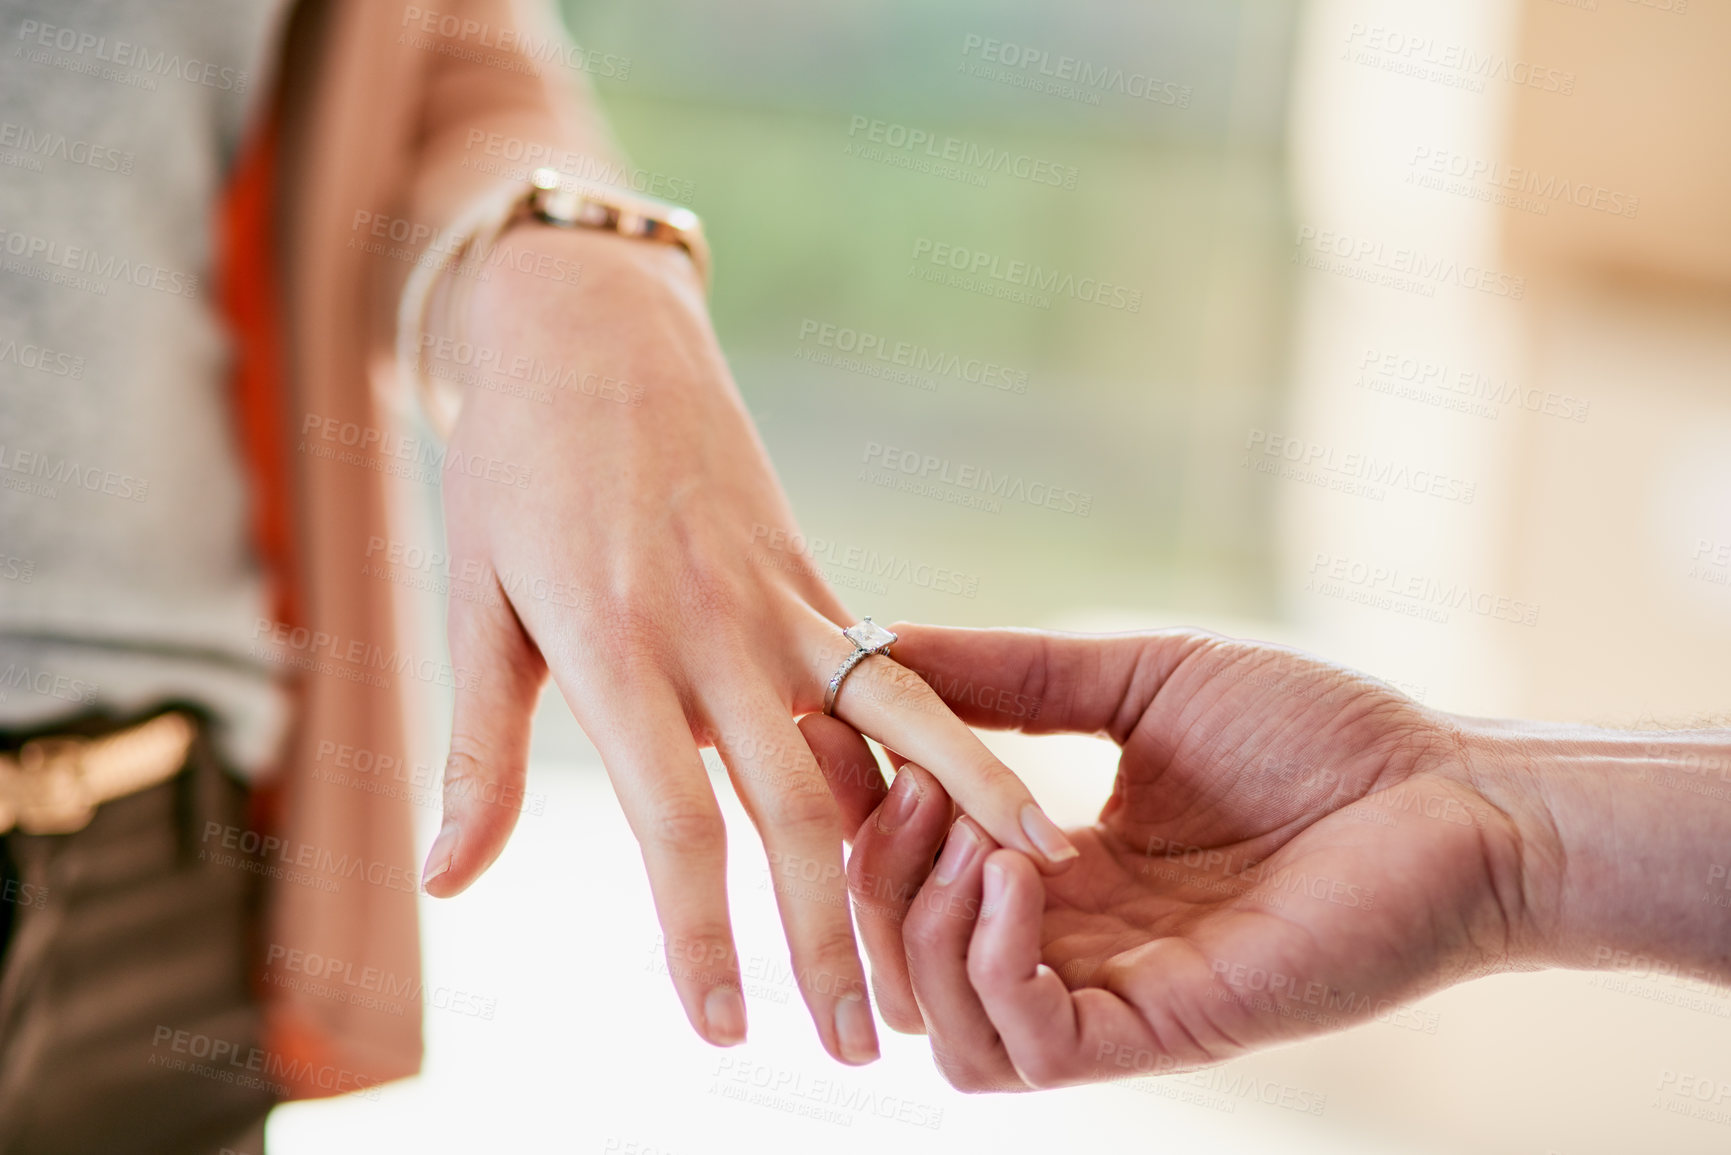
x: 963, y: 1074
x: 830, y: 966
x: 622, y: 636
x: 900, y: 1014
x: 807, y: 810
x: 903, y: 690
x: 1042, y: 1070
x: 879, y: 893
x: 815, y: 879
x: 702, y: 955
x: 465, y: 768
x: 708, y: 594
x: 861, y: 880
x: 687, y: 826
x: 925, y: 933
x: 987, y: 972
x: 993, y: 775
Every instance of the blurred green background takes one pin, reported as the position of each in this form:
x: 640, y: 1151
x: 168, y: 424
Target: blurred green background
x: 749, y: 106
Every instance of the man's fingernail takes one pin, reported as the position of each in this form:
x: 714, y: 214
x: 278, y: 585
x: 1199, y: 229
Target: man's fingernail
x: 1045, y: 836
x: 854, y: 1029
x: 958, y: 849
x: 724, y: 1015
x: 443, y: 853
x: 899, y: 806
x: 992, y: 885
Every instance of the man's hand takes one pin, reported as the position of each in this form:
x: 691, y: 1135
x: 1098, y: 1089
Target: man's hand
x: 635, y: 564
x: 1289, y: 848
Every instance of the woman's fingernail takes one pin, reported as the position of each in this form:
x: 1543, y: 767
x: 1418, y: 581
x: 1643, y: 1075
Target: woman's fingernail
x: 724, y: 1014
x: 854, y: 1029
x: 1045, y: 836
x: 899, y: 806
x: 992, y: 889
x: 442, y: 854
x: 958, y: 849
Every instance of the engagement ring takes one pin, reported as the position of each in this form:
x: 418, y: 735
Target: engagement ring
x: 868, y: 638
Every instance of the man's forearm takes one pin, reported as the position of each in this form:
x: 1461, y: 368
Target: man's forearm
x: 1628, y: 847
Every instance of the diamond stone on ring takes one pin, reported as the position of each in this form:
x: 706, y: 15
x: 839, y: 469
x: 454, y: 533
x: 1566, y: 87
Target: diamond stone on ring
x: 868, y: 638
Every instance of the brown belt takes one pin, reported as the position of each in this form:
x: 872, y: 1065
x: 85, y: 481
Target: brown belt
x: 53, y: 785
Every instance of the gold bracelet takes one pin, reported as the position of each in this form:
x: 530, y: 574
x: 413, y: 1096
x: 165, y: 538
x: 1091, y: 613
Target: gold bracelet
x: 550, y: 199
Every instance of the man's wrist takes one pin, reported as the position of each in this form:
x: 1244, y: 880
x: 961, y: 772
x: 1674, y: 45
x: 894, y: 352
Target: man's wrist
x: 1625, y: 842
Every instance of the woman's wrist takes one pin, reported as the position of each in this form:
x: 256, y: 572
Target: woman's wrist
x: 586, y: 278
x: 1625, y: 842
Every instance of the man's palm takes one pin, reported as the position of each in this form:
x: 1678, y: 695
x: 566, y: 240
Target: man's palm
x: 1289, y: 848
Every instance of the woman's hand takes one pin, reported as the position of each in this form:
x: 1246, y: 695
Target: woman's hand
x: 634, y: 564
x: 1289, y: 848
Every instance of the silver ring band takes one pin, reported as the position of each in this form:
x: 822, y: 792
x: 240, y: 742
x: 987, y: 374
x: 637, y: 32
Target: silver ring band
x: 868, y: 638
x: 835, y: 681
